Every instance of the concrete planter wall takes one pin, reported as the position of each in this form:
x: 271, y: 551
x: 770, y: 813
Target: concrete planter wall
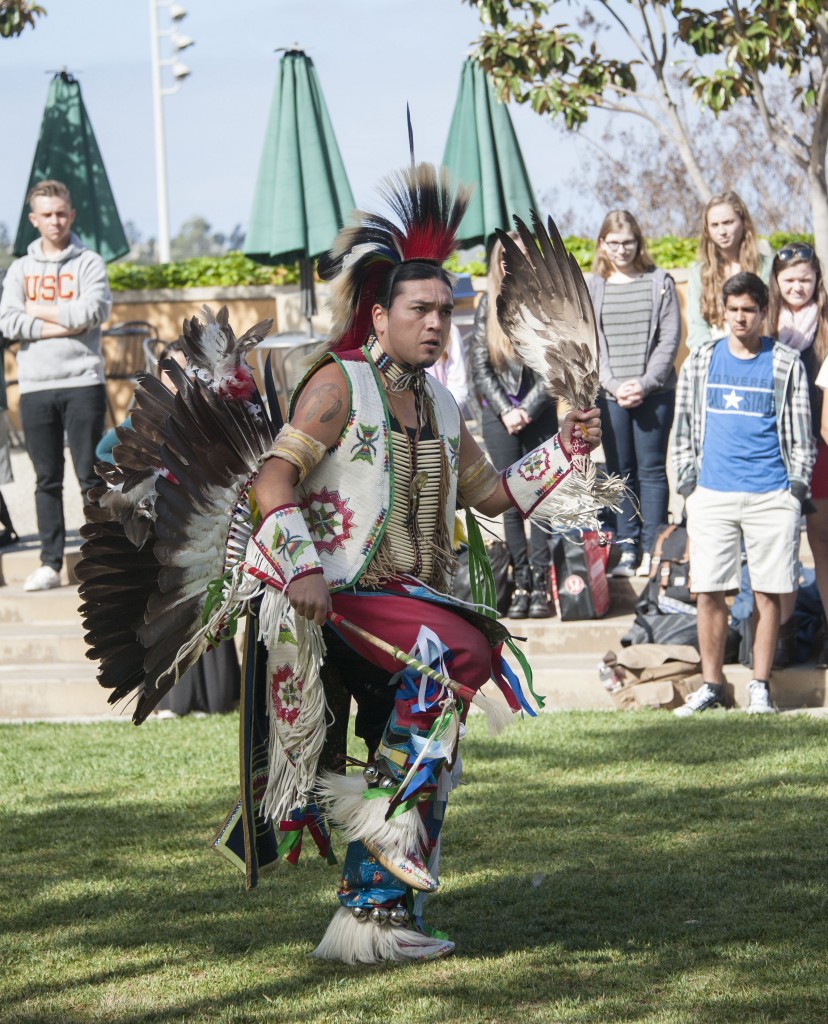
x: 168, y: 308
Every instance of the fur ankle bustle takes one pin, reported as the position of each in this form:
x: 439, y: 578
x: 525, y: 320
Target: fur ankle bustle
x: 353, y: 940
x: 397, y: 843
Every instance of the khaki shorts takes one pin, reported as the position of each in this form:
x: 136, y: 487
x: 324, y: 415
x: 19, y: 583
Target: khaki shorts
x: 718, y: 521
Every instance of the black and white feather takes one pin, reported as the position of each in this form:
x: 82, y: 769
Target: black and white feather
x: 545, y: 310
x: 173, y: 513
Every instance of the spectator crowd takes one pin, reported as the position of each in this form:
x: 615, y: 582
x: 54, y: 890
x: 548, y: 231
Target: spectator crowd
x: 745, y: 413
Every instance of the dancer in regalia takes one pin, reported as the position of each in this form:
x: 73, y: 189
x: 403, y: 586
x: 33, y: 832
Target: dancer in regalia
x: 340, y: 546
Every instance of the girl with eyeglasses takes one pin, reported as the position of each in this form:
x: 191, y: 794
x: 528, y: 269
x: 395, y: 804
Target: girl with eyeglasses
x: 639, y: 327
x: 798, y: 317
x: 727, y: 245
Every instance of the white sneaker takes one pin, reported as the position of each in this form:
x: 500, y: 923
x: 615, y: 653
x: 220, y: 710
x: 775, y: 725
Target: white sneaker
x: 760, y: 702
x: 645, y: 565
x: 699, y: 700
x: 44, y: 578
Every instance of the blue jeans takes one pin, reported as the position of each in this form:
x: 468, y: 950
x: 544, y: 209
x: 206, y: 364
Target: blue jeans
x: 45, y: 417
x: 635, y: 443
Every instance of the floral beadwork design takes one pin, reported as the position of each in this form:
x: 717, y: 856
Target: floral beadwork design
x: 286, y: 693
x: 535, y: 466
x: 331, y: 519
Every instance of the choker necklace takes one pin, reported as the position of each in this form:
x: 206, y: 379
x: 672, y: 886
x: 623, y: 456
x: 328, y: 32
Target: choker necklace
x: 398, y: 378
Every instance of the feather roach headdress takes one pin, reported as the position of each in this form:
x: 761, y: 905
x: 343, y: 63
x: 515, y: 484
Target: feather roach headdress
x: 428, y: 212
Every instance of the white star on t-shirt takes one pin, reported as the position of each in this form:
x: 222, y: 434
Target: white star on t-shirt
x: 732, y: 400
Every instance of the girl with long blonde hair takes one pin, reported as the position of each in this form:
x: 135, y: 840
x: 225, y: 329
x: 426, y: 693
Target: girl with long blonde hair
x: 727, y: 246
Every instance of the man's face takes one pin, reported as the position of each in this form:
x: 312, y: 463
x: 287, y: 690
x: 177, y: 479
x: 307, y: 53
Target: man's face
x: 53, y: 218
x: 415, y: 330
x: 744, y: 317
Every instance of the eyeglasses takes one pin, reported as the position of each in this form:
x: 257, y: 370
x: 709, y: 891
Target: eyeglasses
x: 794, y: 251
x: 615, y: 246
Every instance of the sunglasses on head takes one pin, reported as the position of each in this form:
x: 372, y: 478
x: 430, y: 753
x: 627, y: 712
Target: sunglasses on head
x: 794, y: 251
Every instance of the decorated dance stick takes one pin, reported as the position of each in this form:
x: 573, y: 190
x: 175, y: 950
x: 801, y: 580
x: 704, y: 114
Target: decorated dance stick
x: 497, y: 713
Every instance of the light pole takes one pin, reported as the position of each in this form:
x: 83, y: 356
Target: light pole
x: 179, y: 72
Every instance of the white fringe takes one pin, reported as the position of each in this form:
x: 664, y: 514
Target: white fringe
x: 497, y: 711
x: 361, y: 819
x: 294, y: 751
x: 362, y: 942
x: 576, y: 501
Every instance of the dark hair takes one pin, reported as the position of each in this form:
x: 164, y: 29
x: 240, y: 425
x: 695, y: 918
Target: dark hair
x: 412, y: 270
x: 745, y: 283
x: 169, y: 348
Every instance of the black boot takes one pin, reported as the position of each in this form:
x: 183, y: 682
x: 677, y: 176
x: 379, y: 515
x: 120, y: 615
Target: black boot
x: 519, y: 608
x: 786, y: 650
x: 539, y: 598
x: 7, y: 534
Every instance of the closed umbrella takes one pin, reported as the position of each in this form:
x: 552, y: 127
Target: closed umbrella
x: 482, y: 150
x: 67, y: 150
x: 302, y: 193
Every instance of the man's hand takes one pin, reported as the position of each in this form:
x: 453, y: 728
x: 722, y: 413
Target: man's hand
x: 309, y: 597
x: 587, y: 424
x: 514, y: 420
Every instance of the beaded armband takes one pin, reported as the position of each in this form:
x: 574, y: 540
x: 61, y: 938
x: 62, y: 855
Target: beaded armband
x: 530, y: 480
x: 281, y: 549
x: 478, y: 482
x: 297, y: 448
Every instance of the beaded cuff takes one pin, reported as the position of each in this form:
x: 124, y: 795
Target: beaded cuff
x: 281, y: 549
x: 297, y: 448
x: 478, y: 482
x: 530, y: 480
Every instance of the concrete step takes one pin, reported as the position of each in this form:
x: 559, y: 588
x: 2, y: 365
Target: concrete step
x: 18, y: 562
x: 57, y: 690
x: 570, y: 681
x: 24, y: 644
x: 52, y: 690
x: 41, y: 608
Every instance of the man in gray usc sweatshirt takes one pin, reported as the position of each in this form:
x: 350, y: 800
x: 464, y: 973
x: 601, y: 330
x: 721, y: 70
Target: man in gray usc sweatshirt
x: 54, y: 300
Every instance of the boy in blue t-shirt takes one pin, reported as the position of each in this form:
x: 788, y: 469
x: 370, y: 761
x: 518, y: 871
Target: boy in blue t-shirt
x: 743, y: 453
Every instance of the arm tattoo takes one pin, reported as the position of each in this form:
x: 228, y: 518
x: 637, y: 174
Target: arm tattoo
x: 323, y: 403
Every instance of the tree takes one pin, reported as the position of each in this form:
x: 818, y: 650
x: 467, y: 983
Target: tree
x: 634, y: 172
x: 753, y: 39
x: 15, y: 15
x: 195, y: 239
x: 559, y: 73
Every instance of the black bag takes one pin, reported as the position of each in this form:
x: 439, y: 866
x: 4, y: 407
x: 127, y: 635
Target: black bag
x: 501, y: 567
x: 578, y: 576
x: 669, y: 571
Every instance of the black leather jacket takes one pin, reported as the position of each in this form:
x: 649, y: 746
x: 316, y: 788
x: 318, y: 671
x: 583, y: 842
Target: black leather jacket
x: 495, y: 386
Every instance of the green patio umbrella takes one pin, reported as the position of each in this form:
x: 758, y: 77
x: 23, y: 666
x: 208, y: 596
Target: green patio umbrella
x: 302, y: 195
x: 482, y: 150
x: 67, y: 150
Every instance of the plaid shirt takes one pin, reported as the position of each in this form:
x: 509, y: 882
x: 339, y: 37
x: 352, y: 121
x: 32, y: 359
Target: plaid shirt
x: 793, y: 418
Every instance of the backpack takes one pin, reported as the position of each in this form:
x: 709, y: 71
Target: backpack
x: 669, y: 572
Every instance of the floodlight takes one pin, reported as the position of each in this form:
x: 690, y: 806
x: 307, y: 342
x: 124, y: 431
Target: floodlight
x: 180, y: 71
x: 177, y: 12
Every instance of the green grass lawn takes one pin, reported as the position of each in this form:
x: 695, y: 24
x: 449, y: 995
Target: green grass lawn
x: 597, y: 868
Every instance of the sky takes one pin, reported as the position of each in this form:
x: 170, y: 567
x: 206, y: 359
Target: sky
x: 372, y: 56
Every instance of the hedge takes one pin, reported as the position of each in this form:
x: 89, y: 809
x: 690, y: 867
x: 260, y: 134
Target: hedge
x: 234, y: 268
